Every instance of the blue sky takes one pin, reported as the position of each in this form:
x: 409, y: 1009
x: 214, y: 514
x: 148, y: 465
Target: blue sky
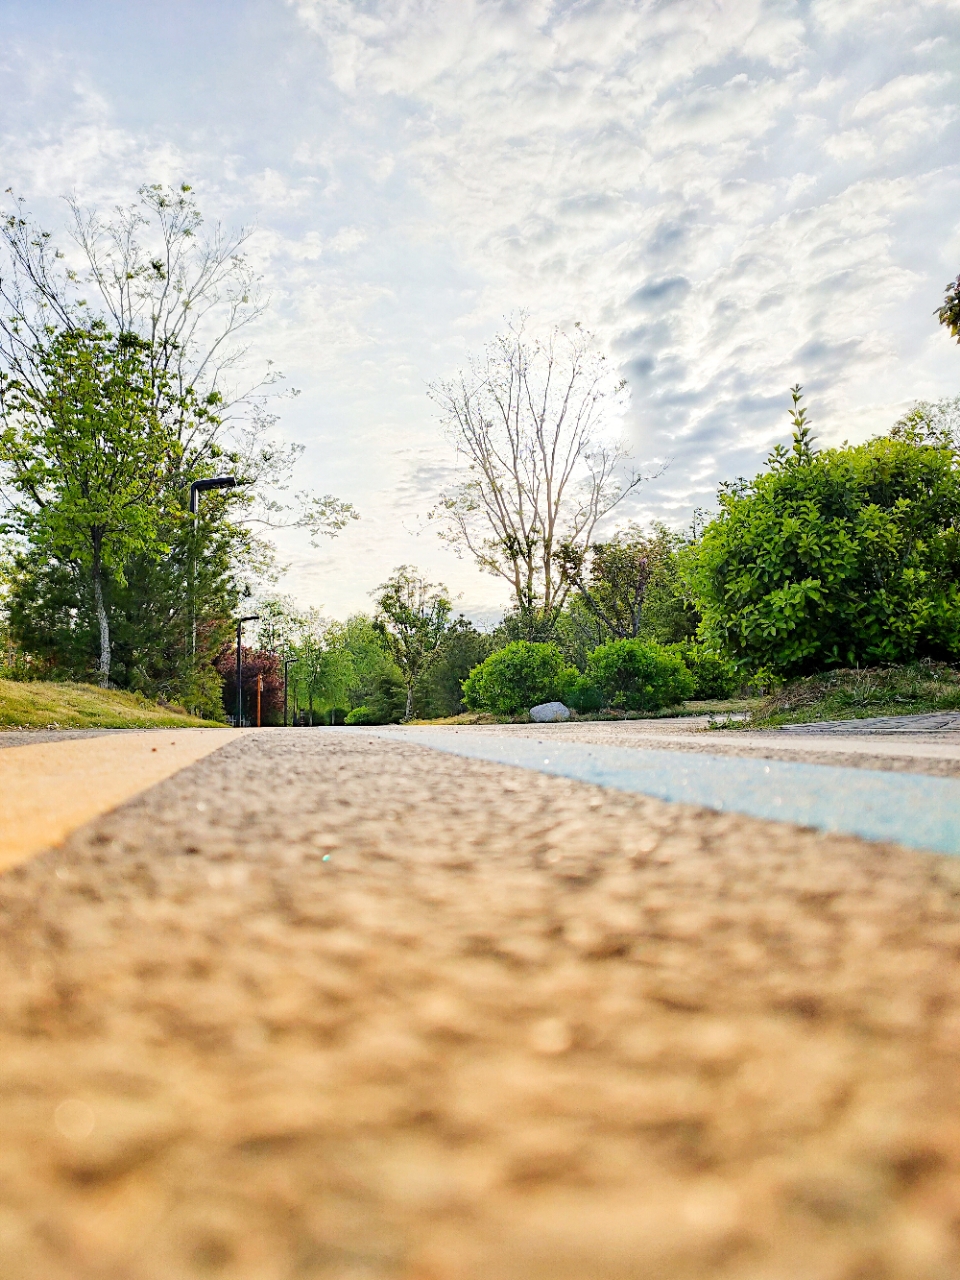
x: 734, y: 195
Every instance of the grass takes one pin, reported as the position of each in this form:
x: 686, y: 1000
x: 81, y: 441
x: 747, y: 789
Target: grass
x: 42, y: 704
x: 857, y: 694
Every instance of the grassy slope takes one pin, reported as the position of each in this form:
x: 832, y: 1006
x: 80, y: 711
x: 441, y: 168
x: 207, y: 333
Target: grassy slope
x: 44, y: 705
x: 855, y: 695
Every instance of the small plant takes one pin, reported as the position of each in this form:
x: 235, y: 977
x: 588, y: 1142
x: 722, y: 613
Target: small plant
x: 637, y: 675
x: 518, y: 677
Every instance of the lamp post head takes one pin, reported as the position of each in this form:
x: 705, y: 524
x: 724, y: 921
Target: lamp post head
x: 213, y: 482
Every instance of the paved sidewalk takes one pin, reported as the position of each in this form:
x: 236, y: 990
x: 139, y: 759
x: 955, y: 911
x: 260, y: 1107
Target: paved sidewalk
x: 930, y: 722
x: 325, y: 1006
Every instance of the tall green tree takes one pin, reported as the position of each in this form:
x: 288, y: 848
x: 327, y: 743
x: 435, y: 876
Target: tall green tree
x: 180, y: 295
x: 84, y: 452
x: 412, y: 618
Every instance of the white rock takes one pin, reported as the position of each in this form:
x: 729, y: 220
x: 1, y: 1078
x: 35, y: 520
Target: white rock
x: 548, y: 711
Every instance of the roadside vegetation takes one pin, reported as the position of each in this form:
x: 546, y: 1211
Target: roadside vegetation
x: 826, y: 586
x: 855, y: 694
x: 43, y: 704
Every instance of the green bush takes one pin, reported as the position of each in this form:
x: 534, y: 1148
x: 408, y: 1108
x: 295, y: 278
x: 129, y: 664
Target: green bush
x: 518, y: 677
x: 583, y: 695
x: 638, y: 675
x: 848, y: 557
x: 361, y: 715
x: 714, y: 676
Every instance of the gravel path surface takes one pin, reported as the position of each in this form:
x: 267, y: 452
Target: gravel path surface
x: 336, y: 1008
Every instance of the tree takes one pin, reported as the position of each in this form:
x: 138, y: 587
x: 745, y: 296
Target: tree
x: 152, y: 274
x: 613, y: 577
x: 842, y: 557
x: 949, y: 313
x: 412, y: 619
x: 936, y: 423
x: 439, y: 687
x: 259, y: 667
x: 530, y: 419
x: 85, y: 450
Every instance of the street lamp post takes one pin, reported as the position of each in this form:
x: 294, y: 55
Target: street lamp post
x: 250, y: 617
x: 198, y: 487
x: 287, y: 664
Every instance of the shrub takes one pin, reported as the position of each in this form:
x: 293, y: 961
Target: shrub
x: 848, y: 557
x: 714, y: 676
x: 583, y: 695
x: 361, y: 715
x: 518, y: 677
x: 638, y: 675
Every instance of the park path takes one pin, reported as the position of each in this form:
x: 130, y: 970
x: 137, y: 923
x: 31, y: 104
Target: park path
x: 336, y: 1006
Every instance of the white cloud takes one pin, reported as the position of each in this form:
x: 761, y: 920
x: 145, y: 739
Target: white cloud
x: 734, y: 194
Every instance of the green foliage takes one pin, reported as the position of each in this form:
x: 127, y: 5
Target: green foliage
x: 578, y: 631
x: 669, y: 616
x: 714, y: 675
x: 52, y: 619
x: 583, y: 695
x: 439, y: 688
x: 386, y: 703
x: 850, y: 556
x: 935, y: 423
x: 949, y: 313
x: 518, y: 677
x: 84, y: 447
x: 638, y: 675
x: 411, y: 619
x: 612, y: 577
x: 361, y: 715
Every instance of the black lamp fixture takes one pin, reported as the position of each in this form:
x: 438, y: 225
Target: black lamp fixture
x: 213, y: 482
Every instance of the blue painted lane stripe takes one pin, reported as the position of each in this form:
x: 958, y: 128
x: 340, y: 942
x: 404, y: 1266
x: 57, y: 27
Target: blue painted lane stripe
x: 912, y: 809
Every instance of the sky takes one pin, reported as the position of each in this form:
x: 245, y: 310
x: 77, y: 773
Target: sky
x: 733, y: 196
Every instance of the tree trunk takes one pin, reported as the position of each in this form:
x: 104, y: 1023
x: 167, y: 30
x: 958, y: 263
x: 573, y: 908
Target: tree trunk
x: 409, y: 711
x: 103, y: 622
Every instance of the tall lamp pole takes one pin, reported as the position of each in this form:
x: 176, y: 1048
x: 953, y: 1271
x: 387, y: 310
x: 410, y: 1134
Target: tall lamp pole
x: 287, y: 664
x: 250, y: 617
x: 198, y: 487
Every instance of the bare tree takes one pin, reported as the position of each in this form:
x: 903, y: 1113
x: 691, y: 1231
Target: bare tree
x: 530, y: 422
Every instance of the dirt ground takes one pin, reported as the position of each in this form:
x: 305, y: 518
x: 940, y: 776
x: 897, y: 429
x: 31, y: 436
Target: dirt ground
x: 328, y: 1007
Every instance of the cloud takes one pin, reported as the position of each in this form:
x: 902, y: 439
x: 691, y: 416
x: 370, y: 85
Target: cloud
x: 734, y: 195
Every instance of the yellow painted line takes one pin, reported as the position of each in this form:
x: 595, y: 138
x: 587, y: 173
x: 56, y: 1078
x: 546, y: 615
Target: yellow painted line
x: 48, y: 789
